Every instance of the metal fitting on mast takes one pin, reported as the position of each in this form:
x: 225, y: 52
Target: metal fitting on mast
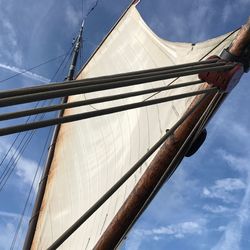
x: 77, y: 46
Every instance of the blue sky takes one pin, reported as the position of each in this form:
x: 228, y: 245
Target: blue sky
x: 206, y: 203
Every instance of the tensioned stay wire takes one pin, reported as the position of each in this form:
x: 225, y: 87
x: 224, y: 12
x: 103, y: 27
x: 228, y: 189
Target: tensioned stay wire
x: 122, y: 180
x: 35, y: 67
x: 53, y: 77
x: 91, y: 114
x: 114, y: 79
x: 70, y: 90
x: 7, y: 172
x: 30, y: 191
x: 216, y: 46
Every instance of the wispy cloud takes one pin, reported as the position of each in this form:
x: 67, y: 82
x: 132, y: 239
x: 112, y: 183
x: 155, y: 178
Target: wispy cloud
x: 218, y: 209
x: 25, y: 168
x: 73, y: 16
x: 8, y: 40
x: 180, y: 230
x: 231, y: 239
x: 7, y: 232
x: 8, y: 225
x: 177, y: 230
x: 223, y: 189
x: 25, y: 73
x: 9, y: 215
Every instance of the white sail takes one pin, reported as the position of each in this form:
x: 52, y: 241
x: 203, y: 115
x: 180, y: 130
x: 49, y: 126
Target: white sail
x: 91, y: 155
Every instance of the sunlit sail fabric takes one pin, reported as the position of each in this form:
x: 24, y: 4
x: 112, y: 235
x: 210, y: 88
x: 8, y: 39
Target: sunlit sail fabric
x: 91, y: 155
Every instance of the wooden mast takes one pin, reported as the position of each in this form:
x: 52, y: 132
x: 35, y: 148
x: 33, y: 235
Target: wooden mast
x: 161, y: 163
x: 42, y: 185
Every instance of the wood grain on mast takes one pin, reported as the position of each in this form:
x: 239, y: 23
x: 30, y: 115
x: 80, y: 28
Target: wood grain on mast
x: 138, y: 198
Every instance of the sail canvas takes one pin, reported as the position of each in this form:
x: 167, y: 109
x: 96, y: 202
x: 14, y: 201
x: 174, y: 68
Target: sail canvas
x: 91, y: 155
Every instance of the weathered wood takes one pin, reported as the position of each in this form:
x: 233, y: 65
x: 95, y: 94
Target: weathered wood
x: 161, y: 162
x: 242, y: 40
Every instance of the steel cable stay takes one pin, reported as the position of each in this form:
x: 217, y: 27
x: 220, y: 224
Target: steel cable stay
x: 10, y: 167
x: 10, y: 170
x: 114, y: 78
x: 41, y: 196
x: 18, y: 114
x: 13, y: 165
x: 11, y: 146
x: 24, y: 142
x: 54, y: 76
x: 15, y: 149
x: 204, y: 56
x: 91, y: 114
x: 123, y: 179
x: 20, y: 149
x: 9, y: 101
x: 13, y: 243
x: 13, y: 160
x: 178, y: 157
x: 34, y: 67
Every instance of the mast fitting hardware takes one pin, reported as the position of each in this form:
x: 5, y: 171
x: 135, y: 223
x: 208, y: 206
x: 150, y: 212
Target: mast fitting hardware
x: 224, y: 80
x: 243, y: 59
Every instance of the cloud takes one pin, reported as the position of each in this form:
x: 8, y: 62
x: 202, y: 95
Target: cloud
x: 223, y: 189
x: 25, y: 168
x: 230, y: 184
x: 237, y: 163
x: 9, y: 47
x: 8, y: 225
x: 73, y: 16
x: 218, y: 209
x: 6, y: 237
x: 231, y: 238
x: 25, y: 73
x: 179, y: 230
x: 232, y: 8
x: 9, y: 215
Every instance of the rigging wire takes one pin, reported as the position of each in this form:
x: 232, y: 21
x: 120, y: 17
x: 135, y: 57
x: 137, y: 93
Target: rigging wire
x: 15, y: 159
x: 35, y: 67
x: 112, y: 78
x: 66, y: 234
x: 174, y: 163
x: 30, y: 192
x: 91, y: 114
x: 16, y: 138
x: 26, y: 98
x: 92, y: 8
x: 14, y: 115
x: 8, y: 170
x: 216, y: 46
